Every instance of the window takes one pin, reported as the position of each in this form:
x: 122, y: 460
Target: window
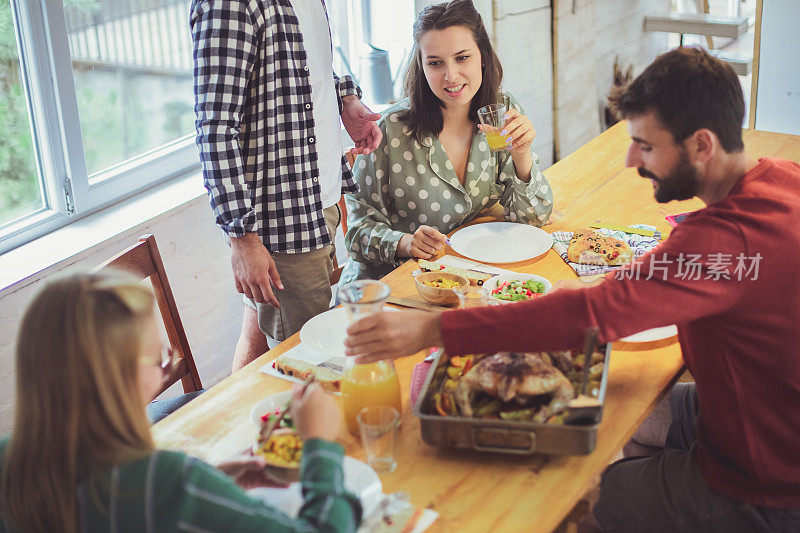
x: 357, y: 24
x: 96, y: 104
x: 96, y: 100
x: 21, y: 191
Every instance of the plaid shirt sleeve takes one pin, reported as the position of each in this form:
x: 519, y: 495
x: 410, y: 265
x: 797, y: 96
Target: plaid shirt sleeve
x: 224, y: 50
x: 345, y: 86
x: 210, y: 501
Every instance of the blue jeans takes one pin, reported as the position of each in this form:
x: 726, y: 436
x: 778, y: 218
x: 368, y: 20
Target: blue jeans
x: 158, y: 409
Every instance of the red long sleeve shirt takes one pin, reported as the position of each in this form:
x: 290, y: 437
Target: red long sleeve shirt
x: 728, y: 276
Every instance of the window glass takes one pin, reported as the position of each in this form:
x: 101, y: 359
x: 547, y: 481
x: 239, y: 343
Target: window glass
x: 362, y: 29
x: 132, y: 66
x: 21, y: 191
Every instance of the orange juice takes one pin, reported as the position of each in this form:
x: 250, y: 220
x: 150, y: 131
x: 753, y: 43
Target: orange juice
x: 368, y: 385
x: 497, y: 141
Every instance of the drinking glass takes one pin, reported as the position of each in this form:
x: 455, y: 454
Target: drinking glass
x: 493, y: 118
x: 473, y: 296
x: 378, y: 426
x: 366, y: 385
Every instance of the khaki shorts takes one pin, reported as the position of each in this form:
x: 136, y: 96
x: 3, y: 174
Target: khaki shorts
x: 306, y: 286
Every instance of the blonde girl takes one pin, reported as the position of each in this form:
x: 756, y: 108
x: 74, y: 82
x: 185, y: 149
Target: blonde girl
x: 82, y: 457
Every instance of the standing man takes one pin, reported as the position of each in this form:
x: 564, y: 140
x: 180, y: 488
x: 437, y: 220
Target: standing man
x: 726, y: 276
x: 267, y: 107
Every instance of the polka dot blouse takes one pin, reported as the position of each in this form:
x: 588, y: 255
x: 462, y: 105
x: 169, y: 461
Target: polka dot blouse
x: 405, y: 184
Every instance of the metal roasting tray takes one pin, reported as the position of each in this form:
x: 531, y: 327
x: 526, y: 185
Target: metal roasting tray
x: 577, y: 436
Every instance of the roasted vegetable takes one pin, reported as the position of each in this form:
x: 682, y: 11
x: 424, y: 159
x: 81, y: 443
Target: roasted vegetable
x: 520, y: 414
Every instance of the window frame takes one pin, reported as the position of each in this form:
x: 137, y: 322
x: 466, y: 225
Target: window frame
x: 69, y: 193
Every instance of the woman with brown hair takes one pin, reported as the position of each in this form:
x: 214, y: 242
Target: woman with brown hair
x: 433, y: 171
x: 82, y: 458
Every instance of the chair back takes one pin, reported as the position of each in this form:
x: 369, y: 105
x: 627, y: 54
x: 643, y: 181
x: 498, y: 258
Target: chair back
x: 144, y: 261
x: 337, y: 270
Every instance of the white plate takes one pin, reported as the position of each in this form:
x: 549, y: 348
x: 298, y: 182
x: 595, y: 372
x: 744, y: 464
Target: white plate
x: 501, y: 242
x: 651, y: 335
x: 326, y: 332
x: 270, y: 404
x: 359, y: 479
x: 492, y: 283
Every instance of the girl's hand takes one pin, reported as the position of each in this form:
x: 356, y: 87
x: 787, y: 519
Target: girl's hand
x: 247, y: 470
x: 520, y: 128
x: 424, y: 243
x: 315, y: 413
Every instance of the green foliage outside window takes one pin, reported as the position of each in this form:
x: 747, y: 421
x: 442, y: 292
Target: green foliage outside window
x: 19, y: 183
x: 122, y: 114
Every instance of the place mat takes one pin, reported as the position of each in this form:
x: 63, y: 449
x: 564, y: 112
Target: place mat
x: 639, y: 244
x: 469, y: 264
x: 301, y: 353
x: 395, y: 514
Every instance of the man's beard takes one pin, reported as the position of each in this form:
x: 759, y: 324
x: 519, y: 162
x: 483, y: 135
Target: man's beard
x: 680, y: 184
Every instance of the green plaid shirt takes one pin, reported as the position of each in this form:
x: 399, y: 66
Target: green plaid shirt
x: 170, y: 491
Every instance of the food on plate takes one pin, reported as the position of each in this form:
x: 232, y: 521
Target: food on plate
x: 442, y: 283
x: 589, y: 247
x: 474, y: 277
x: 286, y: 421
x: 283, y: 448
x: 328, y: 379
x: 536, y: 387
x: 517, y: 290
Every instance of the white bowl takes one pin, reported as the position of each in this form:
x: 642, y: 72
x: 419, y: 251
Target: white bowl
x: 268, y: 405
x: 492, y: 283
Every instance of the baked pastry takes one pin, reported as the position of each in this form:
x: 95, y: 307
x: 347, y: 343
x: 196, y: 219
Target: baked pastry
x: 328, y: 379
x: 589, y: 247
x: 474, y: 277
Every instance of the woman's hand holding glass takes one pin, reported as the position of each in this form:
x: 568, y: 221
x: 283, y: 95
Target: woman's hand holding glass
x: 520, y: 128
x: 424, y: 243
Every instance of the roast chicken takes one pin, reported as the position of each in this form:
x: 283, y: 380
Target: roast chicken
x: 520, y: 378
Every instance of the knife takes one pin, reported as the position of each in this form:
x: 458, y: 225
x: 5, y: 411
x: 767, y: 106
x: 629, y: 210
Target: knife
x: 628, y: 229
x: 416, y: 304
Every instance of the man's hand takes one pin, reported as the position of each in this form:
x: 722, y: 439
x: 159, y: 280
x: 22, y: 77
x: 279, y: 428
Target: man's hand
x: 424, y: 243
x: 360, y: 124
x: 390, y: 335
x: 254, y: 269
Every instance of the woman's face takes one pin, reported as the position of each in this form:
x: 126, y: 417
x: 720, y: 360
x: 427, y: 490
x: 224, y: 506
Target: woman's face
x: 150, y: 373
x: 452, y: 64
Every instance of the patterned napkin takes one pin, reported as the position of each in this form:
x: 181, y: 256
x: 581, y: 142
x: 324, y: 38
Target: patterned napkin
x: 639, y: 244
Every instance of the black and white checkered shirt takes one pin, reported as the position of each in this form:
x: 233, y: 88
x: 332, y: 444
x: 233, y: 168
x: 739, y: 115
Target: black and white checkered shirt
x: 255, y: 123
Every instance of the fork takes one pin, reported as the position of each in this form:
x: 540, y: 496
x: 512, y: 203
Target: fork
x: 267, y: 428
x: 332, y: 364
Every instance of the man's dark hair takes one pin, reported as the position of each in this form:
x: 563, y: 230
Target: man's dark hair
x: 688, y: 89
x: 424, y: 116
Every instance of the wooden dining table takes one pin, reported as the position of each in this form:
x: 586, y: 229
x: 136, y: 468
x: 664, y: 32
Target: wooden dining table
x: 475, y: 491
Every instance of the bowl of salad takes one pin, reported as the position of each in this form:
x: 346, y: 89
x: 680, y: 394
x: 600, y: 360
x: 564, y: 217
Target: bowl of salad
x: 517, y: 287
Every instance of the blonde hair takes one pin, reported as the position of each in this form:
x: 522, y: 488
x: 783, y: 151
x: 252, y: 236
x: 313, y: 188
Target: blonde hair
x: 78, y: 407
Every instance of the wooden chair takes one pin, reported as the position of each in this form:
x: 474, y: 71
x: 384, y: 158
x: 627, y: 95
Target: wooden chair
x: 337, y: 270
x: 144, y: 261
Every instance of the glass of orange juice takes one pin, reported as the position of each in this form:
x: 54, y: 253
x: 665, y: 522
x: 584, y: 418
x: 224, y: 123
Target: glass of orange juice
x: 493, y: 118
x: 370, y: 384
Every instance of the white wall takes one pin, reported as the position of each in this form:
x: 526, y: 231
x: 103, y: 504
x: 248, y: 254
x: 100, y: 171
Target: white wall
x: 590, y: 35
x: 522, y: 35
